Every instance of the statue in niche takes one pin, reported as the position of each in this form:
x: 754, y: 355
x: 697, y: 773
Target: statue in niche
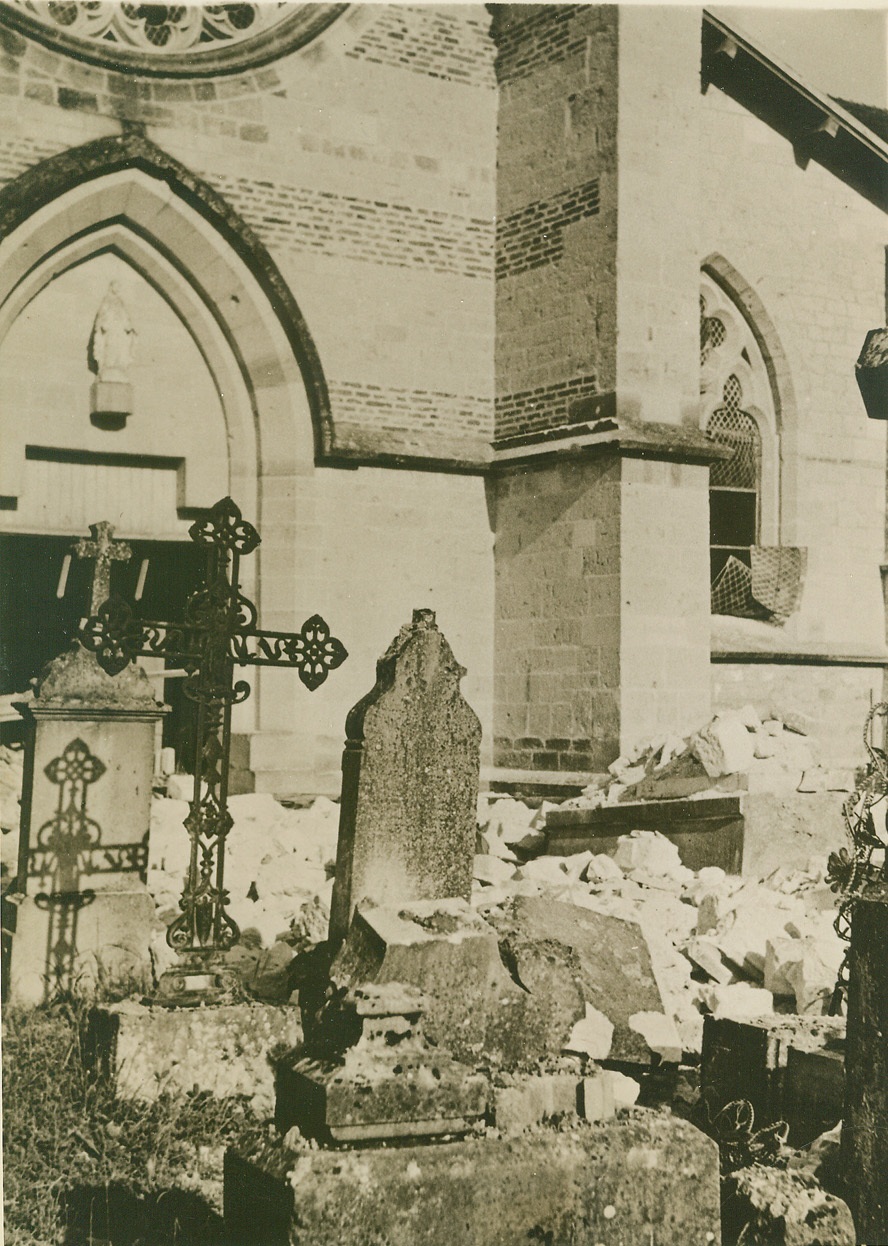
x: 113, y: 339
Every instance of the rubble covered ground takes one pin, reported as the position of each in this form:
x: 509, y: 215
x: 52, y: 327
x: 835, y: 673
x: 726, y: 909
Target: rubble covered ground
x: 737, y: 946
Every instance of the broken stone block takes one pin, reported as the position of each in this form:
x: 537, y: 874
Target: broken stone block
x: 615, y: 971
x: 592, y: 1036
x: 765, y: 1206
x: 475, y: 1005
x: 491, y: 870
x: 595, y: 1099
x: 222, y: 1051
x: 532, y: 1100
x: 704, y: 954
x: 737, y: 1000
x: 625, y: 1089
x: 613, y: 1182
x: 748, y: 1060
x: 723, y: 747
x: 660, y: 1034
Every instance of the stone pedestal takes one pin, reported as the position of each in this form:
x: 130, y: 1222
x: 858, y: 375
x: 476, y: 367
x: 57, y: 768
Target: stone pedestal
x: 865, y: 1128
x: 647, y: 1179
x: 79, y: 906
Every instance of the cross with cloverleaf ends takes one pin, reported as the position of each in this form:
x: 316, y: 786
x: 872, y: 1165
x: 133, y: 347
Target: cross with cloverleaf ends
x: 217, y: 634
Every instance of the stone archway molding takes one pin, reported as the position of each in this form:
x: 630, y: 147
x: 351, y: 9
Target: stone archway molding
x: 127, y: 178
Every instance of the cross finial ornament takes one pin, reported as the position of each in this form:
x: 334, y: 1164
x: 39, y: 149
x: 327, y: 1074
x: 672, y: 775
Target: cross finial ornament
x: 104, y: 550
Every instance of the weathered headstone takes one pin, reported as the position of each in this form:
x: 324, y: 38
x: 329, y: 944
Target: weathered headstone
x: 409, y: 781
x: 865, y: 1125
x: 79, y: 908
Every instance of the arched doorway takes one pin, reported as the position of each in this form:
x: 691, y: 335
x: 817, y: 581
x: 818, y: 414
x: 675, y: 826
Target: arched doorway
x: 227, y: 393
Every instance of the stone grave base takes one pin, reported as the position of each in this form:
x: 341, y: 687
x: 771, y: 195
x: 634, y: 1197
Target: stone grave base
x: 789, y: 1068
x: 707, y: 831
x: 224, y: 1051
x: 110, y: 931
x: 649, y: 1178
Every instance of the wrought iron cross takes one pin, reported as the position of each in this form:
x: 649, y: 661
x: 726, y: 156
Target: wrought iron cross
x: 105, y: 550
x: 218, y: 633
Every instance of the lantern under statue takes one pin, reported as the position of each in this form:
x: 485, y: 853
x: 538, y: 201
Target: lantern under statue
x: 871, y: 370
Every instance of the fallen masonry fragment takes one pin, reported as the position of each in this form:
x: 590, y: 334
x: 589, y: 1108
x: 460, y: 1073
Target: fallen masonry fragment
x: 788, y: 1068
x: 645, y: 1178
x: 765, y: 1206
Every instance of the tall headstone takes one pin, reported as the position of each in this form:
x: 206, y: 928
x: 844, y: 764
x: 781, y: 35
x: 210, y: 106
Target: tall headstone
x: 865, y: 1125
x: 80, y: 909
x: 409, y: 781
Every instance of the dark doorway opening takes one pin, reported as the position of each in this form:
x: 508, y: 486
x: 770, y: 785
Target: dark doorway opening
x: 37, y: 624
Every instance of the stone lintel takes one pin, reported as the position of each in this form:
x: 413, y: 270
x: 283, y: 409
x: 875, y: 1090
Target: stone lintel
x: 707, y: 831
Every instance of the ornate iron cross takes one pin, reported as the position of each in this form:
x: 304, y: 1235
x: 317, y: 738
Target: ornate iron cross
x: 218, y: 633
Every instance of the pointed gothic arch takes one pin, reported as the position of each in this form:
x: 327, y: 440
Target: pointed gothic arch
x: 157, y: 207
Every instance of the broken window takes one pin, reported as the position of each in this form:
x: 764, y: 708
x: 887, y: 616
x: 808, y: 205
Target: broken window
x: 750, y: 573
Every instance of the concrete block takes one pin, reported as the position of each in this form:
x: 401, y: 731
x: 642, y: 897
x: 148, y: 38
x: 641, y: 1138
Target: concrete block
x: 614, y: 1183
x: 222, y: 1051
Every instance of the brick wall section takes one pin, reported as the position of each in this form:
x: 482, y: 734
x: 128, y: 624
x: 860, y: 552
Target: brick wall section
x: 442, y: 43
x: 545, y: 35
x: 602, y: 609
x: 533, y: 235
x: 299, y: 218
x: 412, y: 420
x: 535, y: 410
x: 556, y: 208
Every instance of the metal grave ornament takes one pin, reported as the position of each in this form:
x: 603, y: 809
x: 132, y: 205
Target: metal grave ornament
x: 218, y: 633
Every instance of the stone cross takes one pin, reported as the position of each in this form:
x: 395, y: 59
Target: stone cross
x: 409, y: 781
x: 104, y: 550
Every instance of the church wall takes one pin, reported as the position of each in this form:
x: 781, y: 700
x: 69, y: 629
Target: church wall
x: 556, y: 212
x: 371, y: 546
x: 365, y: 164
x: 813, y: 251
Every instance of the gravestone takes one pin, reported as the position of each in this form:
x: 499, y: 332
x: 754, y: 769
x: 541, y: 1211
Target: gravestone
x: 79, y: 909
x: 409, y: 781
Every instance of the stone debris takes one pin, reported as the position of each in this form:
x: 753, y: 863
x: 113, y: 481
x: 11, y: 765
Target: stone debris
x: 736, y: 750
x: 765, y: 1206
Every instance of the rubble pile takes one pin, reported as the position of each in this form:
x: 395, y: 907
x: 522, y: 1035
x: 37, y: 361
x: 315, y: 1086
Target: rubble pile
x: 736, y: 750
x: 719, y: 944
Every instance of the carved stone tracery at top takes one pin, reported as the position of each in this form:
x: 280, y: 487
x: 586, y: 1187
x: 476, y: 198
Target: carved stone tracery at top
x: 170, y: 39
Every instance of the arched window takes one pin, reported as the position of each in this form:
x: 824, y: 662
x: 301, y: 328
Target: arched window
x: 738, y: 413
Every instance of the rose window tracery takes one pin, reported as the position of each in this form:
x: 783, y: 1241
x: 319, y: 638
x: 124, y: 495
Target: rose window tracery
x: 174, y: 39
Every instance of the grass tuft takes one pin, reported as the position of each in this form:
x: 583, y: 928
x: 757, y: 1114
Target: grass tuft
x: 64, y: 1135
